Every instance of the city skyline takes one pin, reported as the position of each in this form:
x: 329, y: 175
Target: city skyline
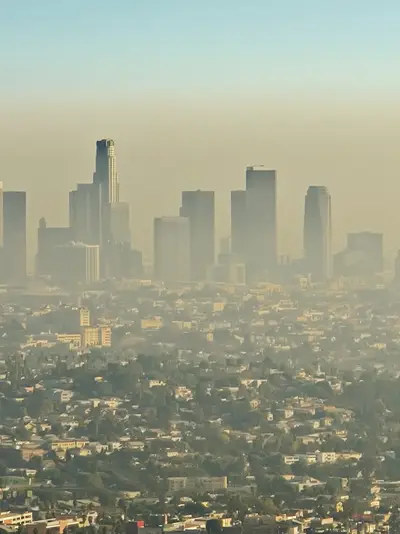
x: 95, y: 220
x: 150, y: 205
x: 300, y: 98
x: 199, y: 267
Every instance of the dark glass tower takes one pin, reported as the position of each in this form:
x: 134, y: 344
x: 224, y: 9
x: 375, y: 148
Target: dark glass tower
x: 261, y: 222
x: 14, y: 236
x: 317, y: 233
x: 199, y: 207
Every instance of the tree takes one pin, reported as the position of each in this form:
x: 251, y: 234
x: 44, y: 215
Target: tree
x: 237, y: 507
x: 95, y: 480
x: 39, y: 405
x: 214, y: 526
x: 196, y: 509
x: 106, y: 498
x: 266, y: 506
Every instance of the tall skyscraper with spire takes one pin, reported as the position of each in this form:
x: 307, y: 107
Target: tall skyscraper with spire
x: 317, y: 233
x: 105, y: 174
x: 96, y: 215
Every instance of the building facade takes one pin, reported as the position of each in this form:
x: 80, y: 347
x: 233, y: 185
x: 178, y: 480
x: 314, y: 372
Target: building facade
x: 172, y: 249
x: 317, y: 233
x: 199, y: 208
x: 370, y: 245
x: 106, y: 171
x: 238, y: 223
x: 261, y: 227
x: 48, y: 239
x: 85, y: 214
x: 78, y: 263
x: 14, y: 236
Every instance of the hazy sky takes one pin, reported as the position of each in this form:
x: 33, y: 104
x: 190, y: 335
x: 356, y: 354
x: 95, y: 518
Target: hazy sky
x: 194, y: 90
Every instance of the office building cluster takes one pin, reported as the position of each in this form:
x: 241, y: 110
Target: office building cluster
x: 184, y: 246
x: 97, y: 242
x: 96, y: 245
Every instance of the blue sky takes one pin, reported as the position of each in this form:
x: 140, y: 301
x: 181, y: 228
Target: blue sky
x: 73, y: 48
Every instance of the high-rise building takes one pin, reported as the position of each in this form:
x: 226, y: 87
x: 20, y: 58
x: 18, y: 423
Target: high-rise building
x: 261, y: 234
x: 119, y: 223
x: 1, y: 214
x: 370, y: 244
x: 317, y: 233
x: 85, y: 214
x: 106, y: 171
x: 363, y: 256
x: 14, y: 236
x: 172, y: 249
x: 97, y: 217
x: 89, y: 204
x: 115, y: 249
x: 396, y: 279
x: 238, y: 223
x: 48, y: 239
x: 199, y: 207
x: 78, y: 263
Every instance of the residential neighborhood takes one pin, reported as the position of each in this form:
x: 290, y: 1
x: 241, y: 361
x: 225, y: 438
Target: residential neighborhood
x: 268, y: 408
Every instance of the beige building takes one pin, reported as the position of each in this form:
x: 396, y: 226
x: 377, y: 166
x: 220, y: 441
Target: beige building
x: 72, y: 339
x: 84, y: 317
x: 66, y: 444
x: 96, y: 337
x: 9, y: 518
x: 105, y: 336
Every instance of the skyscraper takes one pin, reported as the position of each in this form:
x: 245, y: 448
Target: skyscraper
x: 172, y: 249
x: 317, y: 233
x: 199, y: 207
x: 238, y: 223
x: 106, y: 171
x: 85, y: 214
x: 106, y: 179
x: 78, y: 263
x: 14, y: 236
x: 48, y: 239
x: 261, y: 239
x: 116, y: 252
x: 119, y: 223
x: 1, y: 214
x: 97, y: 217
x: 396, y: 279
x: 370, y: 245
